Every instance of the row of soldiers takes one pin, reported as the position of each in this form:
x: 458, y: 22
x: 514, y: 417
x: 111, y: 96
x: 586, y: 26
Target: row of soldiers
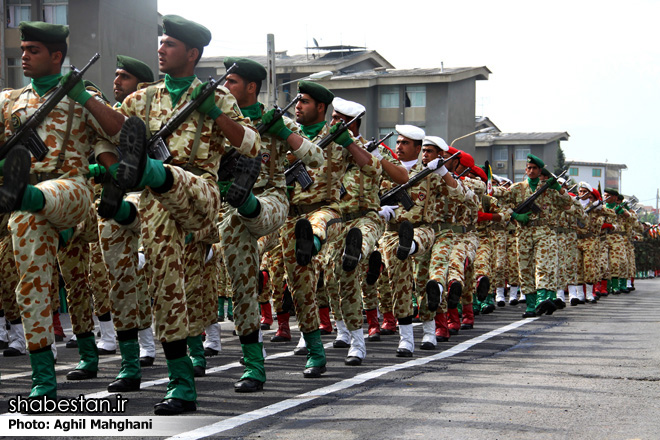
x: 164, y: 213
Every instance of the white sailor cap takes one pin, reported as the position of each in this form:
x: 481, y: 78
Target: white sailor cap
x: 410, y: 131
x: 348, y: 108
x: 586, y: 186
x: 436, y: 141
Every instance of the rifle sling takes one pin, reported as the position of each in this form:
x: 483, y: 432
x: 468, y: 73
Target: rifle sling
x: 67, y: 135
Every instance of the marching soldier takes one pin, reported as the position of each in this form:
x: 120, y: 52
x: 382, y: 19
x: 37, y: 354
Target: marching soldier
x: 51, y: 195
x: 262, y: 214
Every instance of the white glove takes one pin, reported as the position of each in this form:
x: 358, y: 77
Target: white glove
x: 469, y: 193
x: 441, y: 171
x: 377, y: 154
x: 433, y: 164
x: 387, y: 212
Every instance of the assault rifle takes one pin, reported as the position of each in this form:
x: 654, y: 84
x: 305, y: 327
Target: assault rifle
x: 297, y: 171
x: 228, y: 161
x: 373, y: 143
x: 399, y: 194
x: 156, y: 146
x: 529, y: 204
x: 27, y: 132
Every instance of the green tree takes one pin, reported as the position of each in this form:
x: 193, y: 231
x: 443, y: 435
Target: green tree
x: 561, y: 161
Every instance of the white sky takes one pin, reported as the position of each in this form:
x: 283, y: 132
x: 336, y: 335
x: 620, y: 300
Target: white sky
x: 590, y: 68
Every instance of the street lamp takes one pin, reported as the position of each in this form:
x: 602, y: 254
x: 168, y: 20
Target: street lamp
x: 483, y: 130
x: 324, y: 74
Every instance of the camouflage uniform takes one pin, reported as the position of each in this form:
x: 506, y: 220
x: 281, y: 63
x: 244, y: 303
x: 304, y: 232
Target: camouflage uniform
x: 319, y: 205
x: 190, y: 205
x: 536, y: 241
x: 68, y: 200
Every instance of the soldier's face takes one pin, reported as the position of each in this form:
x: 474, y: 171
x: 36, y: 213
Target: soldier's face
x: 125, y: 83
x: 582, y: 192
x: 173, y: 57
x: 338, y: 117
x: 308, y: 111
x: 429, y: 152
x: 238, y: 87
x: 451, y: 165
x: 36, y: 61
x: 406, y: 149
x: 532, y: 171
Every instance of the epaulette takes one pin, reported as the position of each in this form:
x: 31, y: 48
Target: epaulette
x: 144, y: 85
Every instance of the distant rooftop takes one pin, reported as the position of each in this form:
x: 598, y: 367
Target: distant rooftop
x: 578, y: 163
x: 488, y: 139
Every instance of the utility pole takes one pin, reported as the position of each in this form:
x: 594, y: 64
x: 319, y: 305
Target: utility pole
x: 271, y: 84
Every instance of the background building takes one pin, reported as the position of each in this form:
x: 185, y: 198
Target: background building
x: 109, y: 27
x: 607, y: 174
x: 440, y: 100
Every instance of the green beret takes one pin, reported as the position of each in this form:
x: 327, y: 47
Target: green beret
x: 612, y: 192
x: 43, y: 32
x: 135, y: 67
x: 247, y: 69
x: 191, y: 33
x: 535, y: 160
x: 316, y: 91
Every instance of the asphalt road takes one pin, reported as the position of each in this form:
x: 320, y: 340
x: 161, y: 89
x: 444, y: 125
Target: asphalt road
x: 588, y: 372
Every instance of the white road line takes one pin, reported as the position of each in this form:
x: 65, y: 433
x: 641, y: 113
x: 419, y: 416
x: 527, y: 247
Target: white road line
x: 275, y: 408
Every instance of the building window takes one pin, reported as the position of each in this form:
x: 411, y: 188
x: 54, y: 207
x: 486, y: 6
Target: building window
x: 596, y: 172
x: 55, y: 11
x: 573, y: 171
x: 389, y: 97
x: 17, y: 11
x: 499, y: 154
x: 519, y: 177
x: 521, y: 154
x: 415, y: 96
x: 391, y: 142
x: 15, y: 77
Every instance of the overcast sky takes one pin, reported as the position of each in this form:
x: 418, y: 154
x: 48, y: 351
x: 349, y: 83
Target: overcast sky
x: 590, y: 68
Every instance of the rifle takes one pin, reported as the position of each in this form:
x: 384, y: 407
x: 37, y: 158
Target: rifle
x: 399, y: 194
x: 297, y: 171
x: 529, y: 204
x: 156, y: 146
x: 26, y: 133
x: 343, y: 126
x: 228, y: 161
x: 373, y: 143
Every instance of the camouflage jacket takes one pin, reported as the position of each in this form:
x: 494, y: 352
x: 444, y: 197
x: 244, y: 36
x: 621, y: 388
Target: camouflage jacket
x: 327, y: 178
x: 551, y: 202
x: 82, y: 137
x: 212, y: 140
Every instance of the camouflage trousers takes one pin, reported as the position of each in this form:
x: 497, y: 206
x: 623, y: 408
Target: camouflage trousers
x: 9, y: 277
x: 445, y: 240
x: 239, y: 236
x: 422, y: 264
x: 498, y: 261
x: 302, y: 280
x: 462, y: 263
x: 191, y: 204
x: 567, y: 242
x: 618, y: 255
x: 589, y: 255
x: 68, y: 201
x: 85, y: 275
x: 512, y: 266
x: 384, y: 291
x: 604, y: 259
x: 273, y: 262
x: 129, y: 297
x: 401, y: 272
x: 344, y: 288
x: 537, y: 258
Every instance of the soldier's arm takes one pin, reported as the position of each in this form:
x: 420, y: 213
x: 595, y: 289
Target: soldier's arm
x: 108, y: 118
